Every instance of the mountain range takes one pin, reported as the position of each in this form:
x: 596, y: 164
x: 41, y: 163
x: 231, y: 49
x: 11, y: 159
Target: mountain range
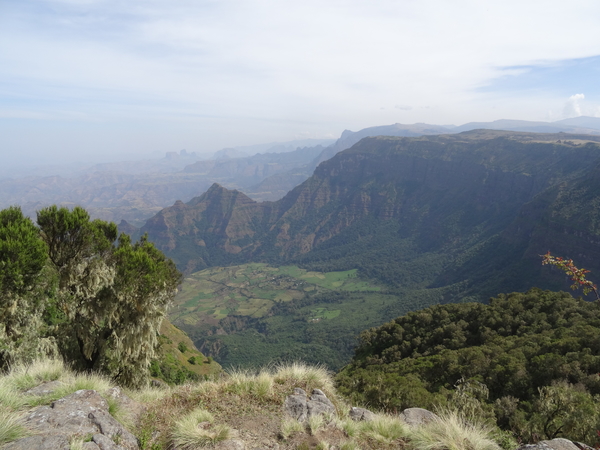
x: 136, y: 190
x: 471, y: 210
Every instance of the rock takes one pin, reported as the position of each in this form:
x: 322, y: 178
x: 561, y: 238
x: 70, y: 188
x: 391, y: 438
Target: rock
x: 359, y: 414
x: 415, y: 417
x: 56, y: 442
x: 295, y: 406
x: 81, y: 413
x: 538, y: 446
x: 105, y: 443
x: 90, y: 446
x: 583, y: 446
x: 560, y: 444
x: 301, y: 408
x: 44, y: 388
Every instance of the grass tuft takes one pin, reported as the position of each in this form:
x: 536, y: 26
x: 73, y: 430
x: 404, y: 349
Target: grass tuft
x: 27, y: 376
x: 452, y: 432
x: 196, y: 430
x: 10, y: 397
x: 11, y: 427
x: 290, y: 426
x: 306, y: 377
x: 384, y: 429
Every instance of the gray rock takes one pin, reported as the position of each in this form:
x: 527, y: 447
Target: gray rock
x: 301, y: 408
x: 582, y: 446
x: 90, y: 446
x: 560, y: 444
x: 55, y: 442
x: 105, y: 443
x: 44, y: 388
x: 415, y: 417
x: 295, y: 406
x: 359, y: 414
x: 538, y: 446
x: 318, y: 408
x: 83, y: 412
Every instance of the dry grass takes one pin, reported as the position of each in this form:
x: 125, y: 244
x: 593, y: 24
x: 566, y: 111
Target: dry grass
x: 11, y: 426
x: 305, y: 377
x: 196, y: 430
x: 289, y: 426
x: 26, y: 376
x: 199, y: 415
x: 383, y: 429
x: 452, y: 432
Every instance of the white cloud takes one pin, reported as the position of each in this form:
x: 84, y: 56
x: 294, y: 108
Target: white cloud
x: 573, y: 106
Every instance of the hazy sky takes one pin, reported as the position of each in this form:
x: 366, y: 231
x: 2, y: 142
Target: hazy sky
x: 107, y: 78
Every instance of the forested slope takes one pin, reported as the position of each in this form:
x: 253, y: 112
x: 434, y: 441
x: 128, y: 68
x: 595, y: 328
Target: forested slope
x: 530, y: 361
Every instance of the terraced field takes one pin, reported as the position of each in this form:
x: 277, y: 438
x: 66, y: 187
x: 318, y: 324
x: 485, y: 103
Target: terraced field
x: 251, y: 290
x: 254, y: 314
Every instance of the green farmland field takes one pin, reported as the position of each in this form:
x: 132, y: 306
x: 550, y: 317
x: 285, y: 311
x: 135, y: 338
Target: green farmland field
x: 255, y: 314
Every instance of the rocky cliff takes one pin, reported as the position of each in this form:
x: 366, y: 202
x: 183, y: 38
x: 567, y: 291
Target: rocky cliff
x: 454, y: 196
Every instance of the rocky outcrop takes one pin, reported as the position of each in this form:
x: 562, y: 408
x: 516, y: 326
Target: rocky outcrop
x: 82, y: 414
x: 301, y: 407
x: 555, y: 444
x: 360, y: 414
x: 415, y: 417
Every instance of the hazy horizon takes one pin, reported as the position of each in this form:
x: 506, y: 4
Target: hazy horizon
x: 100, y: 80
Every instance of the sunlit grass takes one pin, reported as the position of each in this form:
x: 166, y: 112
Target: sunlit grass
x: 11, y: 426
x: 196, y: 430
x: 451, y: 432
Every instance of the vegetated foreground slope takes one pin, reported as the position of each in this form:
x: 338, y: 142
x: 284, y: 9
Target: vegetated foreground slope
x: 530, y: 361
x: 468, y: 213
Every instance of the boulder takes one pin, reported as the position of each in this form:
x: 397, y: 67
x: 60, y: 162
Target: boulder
x: 560, y: 444
x: 82, y: 413
x: 360, y: 414
x: 553, y: 444
x: 44, y: 389
x: 301, y: 407
x: 415, y: 417
x: 52, y: 442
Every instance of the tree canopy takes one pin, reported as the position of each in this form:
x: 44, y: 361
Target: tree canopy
x: 100, y: 300
x: 530, y: 350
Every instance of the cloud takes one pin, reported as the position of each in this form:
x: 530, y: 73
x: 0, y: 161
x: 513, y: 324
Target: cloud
x: 572, y: 106
x: 221, y: 73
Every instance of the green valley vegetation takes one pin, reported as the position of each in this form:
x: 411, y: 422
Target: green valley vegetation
x: 254, y: 314
x: 71, y: 287
x: 528, y: 361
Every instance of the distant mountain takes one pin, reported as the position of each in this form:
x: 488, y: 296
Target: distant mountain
x: 466, y: 214
x: 228, y: 153
x: 579, y: 125
x: 582, y: 122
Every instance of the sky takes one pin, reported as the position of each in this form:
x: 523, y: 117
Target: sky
x: 109, y: 79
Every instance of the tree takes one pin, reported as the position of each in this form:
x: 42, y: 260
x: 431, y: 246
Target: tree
x: 113, y: 297
x: 22, y: 259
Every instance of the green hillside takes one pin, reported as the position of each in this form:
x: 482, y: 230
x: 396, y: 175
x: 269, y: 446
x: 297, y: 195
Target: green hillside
x: 529, y: 361
x: 429, y: 220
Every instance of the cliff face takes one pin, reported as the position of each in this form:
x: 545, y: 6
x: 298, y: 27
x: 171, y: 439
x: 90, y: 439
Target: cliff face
x: 443, y: 193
